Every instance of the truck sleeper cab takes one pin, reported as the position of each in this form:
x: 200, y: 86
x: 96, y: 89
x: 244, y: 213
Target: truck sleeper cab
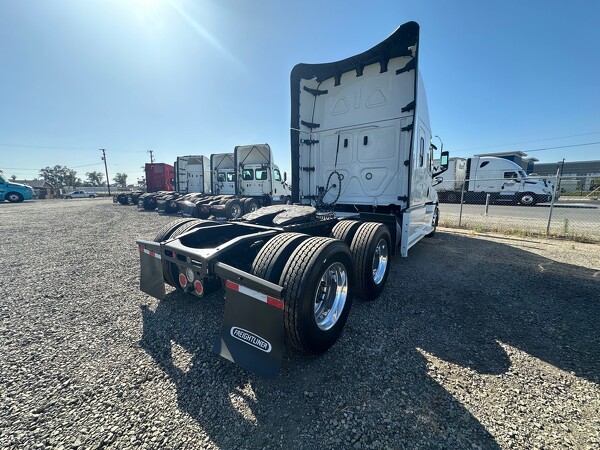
x: 472, y: 179
x: 362, y: 171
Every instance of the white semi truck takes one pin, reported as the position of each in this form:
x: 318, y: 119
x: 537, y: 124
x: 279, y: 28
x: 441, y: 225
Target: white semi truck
x: 362, y: 171
x: 253, y: 177
x: 192, y: 174
x: 472, y: 179
x: 223, y: 173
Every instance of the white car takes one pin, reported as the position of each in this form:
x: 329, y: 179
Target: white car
x: 81, y: 194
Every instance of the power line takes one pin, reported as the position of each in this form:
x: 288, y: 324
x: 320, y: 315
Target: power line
x: 562, y: 146
x: 74, y: 167
x: 45, y: 147
x: 527, y: 142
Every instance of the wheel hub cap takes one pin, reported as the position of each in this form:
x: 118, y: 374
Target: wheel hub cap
x: 380, y: 261
x: 331, y: 296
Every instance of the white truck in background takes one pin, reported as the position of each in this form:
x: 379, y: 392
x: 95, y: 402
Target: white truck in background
x: 222, y: 166
x: 504, y: 180
x: 192, y: 174
x: 258, y: 177
x: 240, y: 183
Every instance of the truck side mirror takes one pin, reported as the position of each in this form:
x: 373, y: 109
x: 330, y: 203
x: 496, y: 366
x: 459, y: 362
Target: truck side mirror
x: 444, y: 161
x: 284, y: 176
x: 443, y: 165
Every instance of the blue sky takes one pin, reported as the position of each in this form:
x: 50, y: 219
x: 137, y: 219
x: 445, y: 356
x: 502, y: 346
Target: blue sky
x: 202, y: 76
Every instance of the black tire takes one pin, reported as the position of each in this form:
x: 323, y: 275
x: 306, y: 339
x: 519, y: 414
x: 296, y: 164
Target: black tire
x: 274, y: 255
x: 371, y: 241
x: 303, y: 276
x: 345, y: 230
x: 250, y: 205
x: 14, y: 197
x: 92, y: 196
x: 234, y: 209
x: 434, y: 221
x: 68, y: 196
x: 452, y: 197
x: 149, y: 203
x: 170, y: 270
x: 165, y: 232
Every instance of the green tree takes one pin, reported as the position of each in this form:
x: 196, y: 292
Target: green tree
x: 60, y: 176
x: 121, y: 179
x: 13, y: 177
x: 94, y: 178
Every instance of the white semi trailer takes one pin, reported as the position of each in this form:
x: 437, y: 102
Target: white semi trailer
x: 472, y: 179
x: 362, y: 183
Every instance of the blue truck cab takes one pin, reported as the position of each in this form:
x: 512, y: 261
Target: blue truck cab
x: 14, y: 192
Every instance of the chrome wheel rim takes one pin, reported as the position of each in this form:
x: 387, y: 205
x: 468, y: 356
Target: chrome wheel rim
x: 236, y: 211
x: 380, y: 261
x: 527, y: 199
x: 331, y: 296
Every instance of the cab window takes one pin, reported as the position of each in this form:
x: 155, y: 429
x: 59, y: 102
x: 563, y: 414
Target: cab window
x: 276, y: 175
x: 421, y: 152
x: 510, y: 175
x: 248, y: 174
x: 221, y: 177
x: 229, y: 176
x: 261, y: 174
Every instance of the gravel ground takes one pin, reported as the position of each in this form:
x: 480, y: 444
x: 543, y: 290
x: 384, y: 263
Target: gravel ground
x: 477, y: 342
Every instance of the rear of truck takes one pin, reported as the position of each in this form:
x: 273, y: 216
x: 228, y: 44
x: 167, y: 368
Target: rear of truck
x: 361, y: 166
x: 361, y: 137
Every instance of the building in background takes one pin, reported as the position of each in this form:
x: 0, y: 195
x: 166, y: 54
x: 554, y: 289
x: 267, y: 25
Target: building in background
x: 42, y: 188
x: 582, y: 176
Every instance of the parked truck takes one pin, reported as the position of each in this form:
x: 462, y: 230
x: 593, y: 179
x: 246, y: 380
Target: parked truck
x: 160, y: 180
x: 222, y: 167
x: 254, y: 178
x: 472, y: 179
x: 14, y: 192
x: 192, y: 177
x: 362, y: 187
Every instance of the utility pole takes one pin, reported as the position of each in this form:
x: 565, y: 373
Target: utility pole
x: 560, y: 174
x: 151, y: 156
x: 103, y: 150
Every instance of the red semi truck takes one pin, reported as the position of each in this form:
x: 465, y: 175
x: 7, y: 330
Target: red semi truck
x: 160, y: 177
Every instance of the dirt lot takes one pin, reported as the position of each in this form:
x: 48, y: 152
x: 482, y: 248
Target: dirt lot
x: 477, y: 342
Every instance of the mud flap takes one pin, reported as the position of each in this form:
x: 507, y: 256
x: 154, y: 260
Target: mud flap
x: 151, y: 272
x: 252, y: 331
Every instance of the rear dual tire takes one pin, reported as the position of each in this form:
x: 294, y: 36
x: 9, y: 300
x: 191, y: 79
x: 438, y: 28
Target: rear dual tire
x: 371, y: 252
x: 318, y: 297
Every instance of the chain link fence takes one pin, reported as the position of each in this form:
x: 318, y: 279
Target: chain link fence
x: 567, y: 207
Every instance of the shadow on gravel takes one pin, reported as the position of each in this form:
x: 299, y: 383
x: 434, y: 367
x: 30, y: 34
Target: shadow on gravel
x: 372, y: 389
x: 494, y: 292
